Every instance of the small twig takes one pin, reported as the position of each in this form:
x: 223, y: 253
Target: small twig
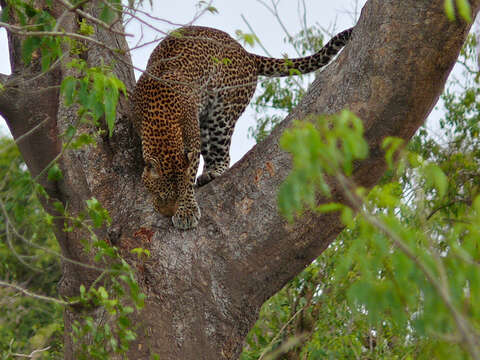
x: 150, y: 16
x: 199, y: 14
x: 138, y: 45
x: 23, y: 136
x: 32, y: 354
x: 14, y: 251
x: 303, y: 16
x: 280, y: 332
x: 442, y: 207
x: 277, y: 16
x: 22, y: 32
x: 146, y: 23
x: 467, y: 67
x: 76, y: 8
x: 257, y: 38
x: 36, y: 296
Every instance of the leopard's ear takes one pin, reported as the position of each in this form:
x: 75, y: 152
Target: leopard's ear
x: 189, y: 157
x: 152, y: 162
x: 152, y: 166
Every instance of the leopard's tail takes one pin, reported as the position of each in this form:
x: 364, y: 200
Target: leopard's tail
x: 285, y: 67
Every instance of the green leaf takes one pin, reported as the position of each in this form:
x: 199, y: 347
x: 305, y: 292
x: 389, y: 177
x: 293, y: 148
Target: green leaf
x: 70, y: 132
x: 5, y: 14
x: 107, y: 15
x: 67, y: 89
x: 110, y: 113
x: 54, y: 173
x: 118, y: 84
x: 330, y: 207
x: 30, y: 11
x: 347, y: 216
x: 49, y: 219
x: 434, y: 175
x: 464, y: 10
x: 212, y: 9
x: 97, y: 213
x: 59, y: 207
x: 82, y: 140
x: 140, y: 252
x: 85, y: 28
x: 391, y: 145
x: 29, y: 45
x: 476, y: 204
x: 249, y: 39
x: 449, y: 9
x: 103, y: 293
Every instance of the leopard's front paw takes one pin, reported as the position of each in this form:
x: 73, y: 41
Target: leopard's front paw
x: 186, y: 218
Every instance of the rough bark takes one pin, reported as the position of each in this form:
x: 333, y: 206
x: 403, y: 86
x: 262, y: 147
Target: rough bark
x: 205, y: 287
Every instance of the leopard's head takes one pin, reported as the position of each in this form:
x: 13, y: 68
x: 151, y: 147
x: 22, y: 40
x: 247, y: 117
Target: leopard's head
x: 167, y: 184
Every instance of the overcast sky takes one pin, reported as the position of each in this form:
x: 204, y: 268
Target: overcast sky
x: 333, y: 15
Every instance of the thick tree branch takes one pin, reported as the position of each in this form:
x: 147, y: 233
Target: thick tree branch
x: 386, y: 78
x: 28, y: 106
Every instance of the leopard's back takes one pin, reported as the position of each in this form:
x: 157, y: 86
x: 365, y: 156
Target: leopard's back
x: 197, y: 83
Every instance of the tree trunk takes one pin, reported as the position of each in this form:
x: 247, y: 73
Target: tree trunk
x: 205, y: 287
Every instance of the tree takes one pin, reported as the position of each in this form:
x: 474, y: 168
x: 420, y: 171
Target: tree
x: 204, y: 288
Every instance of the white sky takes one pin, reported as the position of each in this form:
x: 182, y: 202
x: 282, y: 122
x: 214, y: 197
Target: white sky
x: 333, y: 15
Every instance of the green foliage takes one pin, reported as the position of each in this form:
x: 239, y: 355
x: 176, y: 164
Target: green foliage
x: 85, y: 28
x: 97, y: 213
x: 319, y: 149
x: 463, y: 7
x: 95, y: 91
x: 28, y: 256
x: 249, y: 39
x: 54, y: 173
x: 33, y: 19
x: 141, y: 253
x: 110, y: 10
x: 402, y: 276
x: 49, y: 47
x: 115, y: 332
x: 26, y: 323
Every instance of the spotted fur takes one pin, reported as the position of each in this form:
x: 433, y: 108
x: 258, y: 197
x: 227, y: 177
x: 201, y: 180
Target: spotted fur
x: 197, y: 83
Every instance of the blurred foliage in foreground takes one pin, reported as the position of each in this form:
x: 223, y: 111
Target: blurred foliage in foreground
x: 26, y: 323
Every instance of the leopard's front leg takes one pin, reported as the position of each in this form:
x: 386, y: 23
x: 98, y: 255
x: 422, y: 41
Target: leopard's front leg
x: 188, y: 213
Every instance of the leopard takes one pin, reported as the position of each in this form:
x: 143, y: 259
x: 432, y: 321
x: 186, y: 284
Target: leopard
x: 197, y: 82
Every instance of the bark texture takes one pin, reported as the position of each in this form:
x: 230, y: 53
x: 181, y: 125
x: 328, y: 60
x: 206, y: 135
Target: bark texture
x: 206, y: 286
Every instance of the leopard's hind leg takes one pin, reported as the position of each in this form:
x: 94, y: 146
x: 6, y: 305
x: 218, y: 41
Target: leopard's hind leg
x: 216, y: 128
